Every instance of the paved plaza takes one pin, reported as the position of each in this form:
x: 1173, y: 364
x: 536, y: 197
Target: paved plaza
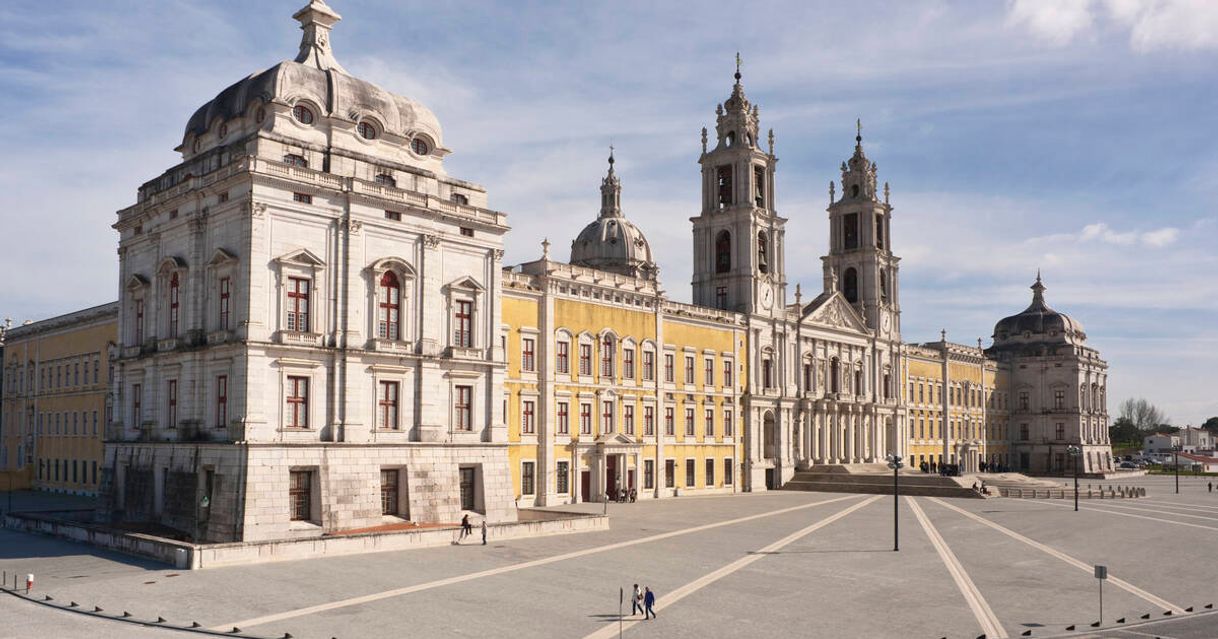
x: 780, y: 564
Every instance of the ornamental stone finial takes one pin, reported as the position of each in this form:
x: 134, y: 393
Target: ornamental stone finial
x: 832, y: 193
x: 943, y: 335
x: 316, y: 19
x: 704, y: 139
x: 771, y: 140
x: 545, y: 248
x: 886, y: 193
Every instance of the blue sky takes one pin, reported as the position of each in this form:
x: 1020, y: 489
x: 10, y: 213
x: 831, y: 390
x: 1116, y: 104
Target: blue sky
x: 1073, y: 136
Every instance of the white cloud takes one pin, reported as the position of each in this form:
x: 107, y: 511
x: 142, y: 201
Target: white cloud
x: 1161, y: 237
x: 1056, y: 23
x: 1151, y: 24
x: 1157, y: 238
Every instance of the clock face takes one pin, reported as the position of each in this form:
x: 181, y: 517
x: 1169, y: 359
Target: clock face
x: 767, y: 298
x: 887, y: 323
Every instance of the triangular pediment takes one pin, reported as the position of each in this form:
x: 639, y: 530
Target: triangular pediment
x: 303, y: 257
x: 466, y: 283
x: 831, y: 309
x: 614, y: 439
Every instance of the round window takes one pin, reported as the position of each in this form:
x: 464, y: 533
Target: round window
x: 366, y: 130
x: 302, y: 114
x: 420, y: 146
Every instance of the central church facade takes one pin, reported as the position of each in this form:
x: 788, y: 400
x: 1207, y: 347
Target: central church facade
x: 318, y: 334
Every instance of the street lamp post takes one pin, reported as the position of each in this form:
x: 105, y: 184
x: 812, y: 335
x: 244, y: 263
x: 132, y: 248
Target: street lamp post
x: 1076, y: 455
x: 1175, y: 451
x: 895, y: 463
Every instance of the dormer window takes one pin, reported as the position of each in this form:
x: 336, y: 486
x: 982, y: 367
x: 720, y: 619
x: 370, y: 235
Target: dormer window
x: 302, y: 114
x: 459, y: 198
x: 367, y: 130
x: 420, y: 146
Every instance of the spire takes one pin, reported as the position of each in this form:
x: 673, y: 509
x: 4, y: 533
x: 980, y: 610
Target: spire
x: 545, y: 248
x: 316, y: 19
x: 611, y: 191
x: 859, y: 173
x: 738, y: 67
x: 1038, y: 295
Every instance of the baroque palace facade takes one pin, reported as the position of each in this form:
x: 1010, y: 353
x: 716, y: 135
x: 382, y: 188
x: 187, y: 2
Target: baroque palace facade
x: 316, y: 333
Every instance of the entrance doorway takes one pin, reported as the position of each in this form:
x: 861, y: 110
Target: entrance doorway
x: 468, y: 479
x: 585, y: 485
x: 769, y: 479
x: 611, y: 484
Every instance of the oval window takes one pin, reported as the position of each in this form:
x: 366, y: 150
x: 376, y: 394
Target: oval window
x: 302, y: 114
x: 366, y: 130
x: 420, y: 146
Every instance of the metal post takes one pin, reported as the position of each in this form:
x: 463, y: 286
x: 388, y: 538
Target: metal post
x: 1076, y: 459
x: 1101, y: 602
x: 896, y: 490
x: 621, y: 594
x: 1176, y: 453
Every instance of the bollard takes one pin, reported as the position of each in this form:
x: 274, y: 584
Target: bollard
x: 29, y: 583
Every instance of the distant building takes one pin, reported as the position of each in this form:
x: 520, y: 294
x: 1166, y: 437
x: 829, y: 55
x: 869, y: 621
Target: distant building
x: 56, y: 398
x: 1189, y: 439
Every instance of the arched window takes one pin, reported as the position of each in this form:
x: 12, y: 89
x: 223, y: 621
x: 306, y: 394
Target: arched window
x: 858, y: 381
x: 420, y: 146
x: 850, y: 285
x: 607, y: 353
x: 835, y: 376
x: 730, y: 138
x: 175, y: 299
x: 366, y: 130
x: 389, y: 307
x: 883, y: 286
x: 723, y: 252
x: 763, y: 252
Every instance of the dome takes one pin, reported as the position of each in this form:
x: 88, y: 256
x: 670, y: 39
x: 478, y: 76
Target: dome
x: 316, y: 79
x: 1038, y: 324
x: 612, y: 242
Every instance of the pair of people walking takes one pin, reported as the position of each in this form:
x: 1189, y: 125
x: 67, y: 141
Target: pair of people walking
x: 643, y: 601
x: 467, y: 529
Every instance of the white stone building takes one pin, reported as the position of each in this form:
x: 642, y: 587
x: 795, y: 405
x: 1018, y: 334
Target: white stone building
x: 309, y: 318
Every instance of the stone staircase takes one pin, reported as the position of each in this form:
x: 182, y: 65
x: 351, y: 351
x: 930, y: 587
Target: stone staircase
x: 876, y: 479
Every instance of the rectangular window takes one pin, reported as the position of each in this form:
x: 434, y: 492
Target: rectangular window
x: 563, y: 359
x: 1023, y: 432
x: 226, y: 293
x: 96, y: 372
x: 298, y: 304
x: 564, y: 419
x: 1059, y: 399
x: 708, y: 375
x: 585, y: 359
x: 607, y: 358
x: 689, y: 422
x: 850, y: 231
x: 94, y: 432
x: 710, y: 473
x: 649, y: 474
x: 649, y: 366
x: 297, y: 403
x: 727, y: 374
x: 628, y: 418
x: 528, y: 354
x: 649, y: 420
x: 606, y: 417
x: 669, y: 364
x: 528, y: 423
x: 767, y: 374
x: 171, y: 399
x: 689, y: 369
x: 563, y: 478
x: 463, y: 324
x: 879, y: 231
x: 175, y: 305
x: 690, y: 469
x: 527, y: 478
x: 221, y: 401
x: 721, y: 297
x: 729, y: 428
x: 585, y: 418
x: 727, y: 472
x: 669, y: 427
x: 1024, y: 400
x: 1061, y: 431
x: 467, y: 231
x: 300, y: 494
x: 303, y: 198
x: 139, y: 321
x: 387, y: 406
x: 709, y: 430
x: 465, y: 408
x: 628, y: 363
x: 137, y: 402
x: 389, y: 492
x: 393, y: 215
x: 759, y: 186
x: 670, y: 473
x: 723, y: 178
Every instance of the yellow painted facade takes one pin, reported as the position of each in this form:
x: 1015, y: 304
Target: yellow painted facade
x: 976, y: 406
x: 57, y: 378
x: 611, y: 387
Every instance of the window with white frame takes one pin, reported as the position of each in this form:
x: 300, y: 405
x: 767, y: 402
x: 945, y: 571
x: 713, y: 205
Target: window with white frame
x: 649, y: 420
x: 628, y: 418
x: 710, y: 422
x: 628, y: 363
x: 689, y: 422
x: 649, y: 366
x: 528, y: 354
x: 607, y: 416
x: 585, y: 418
x: 562, y: 360
x: 528, y: 418
x: 564, y: 418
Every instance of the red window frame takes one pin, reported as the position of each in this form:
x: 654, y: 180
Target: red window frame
x: 528, y: 424
x: 649, y: 420
x: 563, y: 359
x: 727, y: 374
x: 528, y: 354
x: 175, y: 298
x: 389, y: 307
x: 710, y: 423
x: 464, y: 408
x: 606, y: 416
x: 300, y: 494
x: 222, y: 401
x: 669, y: 368
x: 564, y: 418
x: 670, y: 428
x: 226, y: 291
x: 628, y: 419
x: 297, y: 401
x: 607, y: 352
x: 298, y: 304
x: 649, y: 366
x: 585, y: 359
x: 585, y: 418
x: 463, y: 323
x: 728, y: 429
x: 628, y: 363
x: 387, y: 406
x: 689, y: 422
x: 709, y: 372
x: 689, y: 369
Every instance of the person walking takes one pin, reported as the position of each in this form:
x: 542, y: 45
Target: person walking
x: 1211, y: 486
x: 466, y: 528
x: 483, y: 532
x: 649, y: 602
x: 636, y: 601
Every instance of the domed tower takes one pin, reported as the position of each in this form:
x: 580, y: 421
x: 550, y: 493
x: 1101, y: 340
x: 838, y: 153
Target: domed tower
x: 861, y: 263
x: 1038, y: 329
x: 739, y: 239
x: 612, y: 242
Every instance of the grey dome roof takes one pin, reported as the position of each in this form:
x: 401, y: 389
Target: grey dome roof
x: 317, y: 78
x: 1038, y: 324
x: 612, y: 242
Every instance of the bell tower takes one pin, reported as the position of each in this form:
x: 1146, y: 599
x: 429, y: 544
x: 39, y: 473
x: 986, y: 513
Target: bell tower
x: 739, y: 240
x: 860, y: 262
